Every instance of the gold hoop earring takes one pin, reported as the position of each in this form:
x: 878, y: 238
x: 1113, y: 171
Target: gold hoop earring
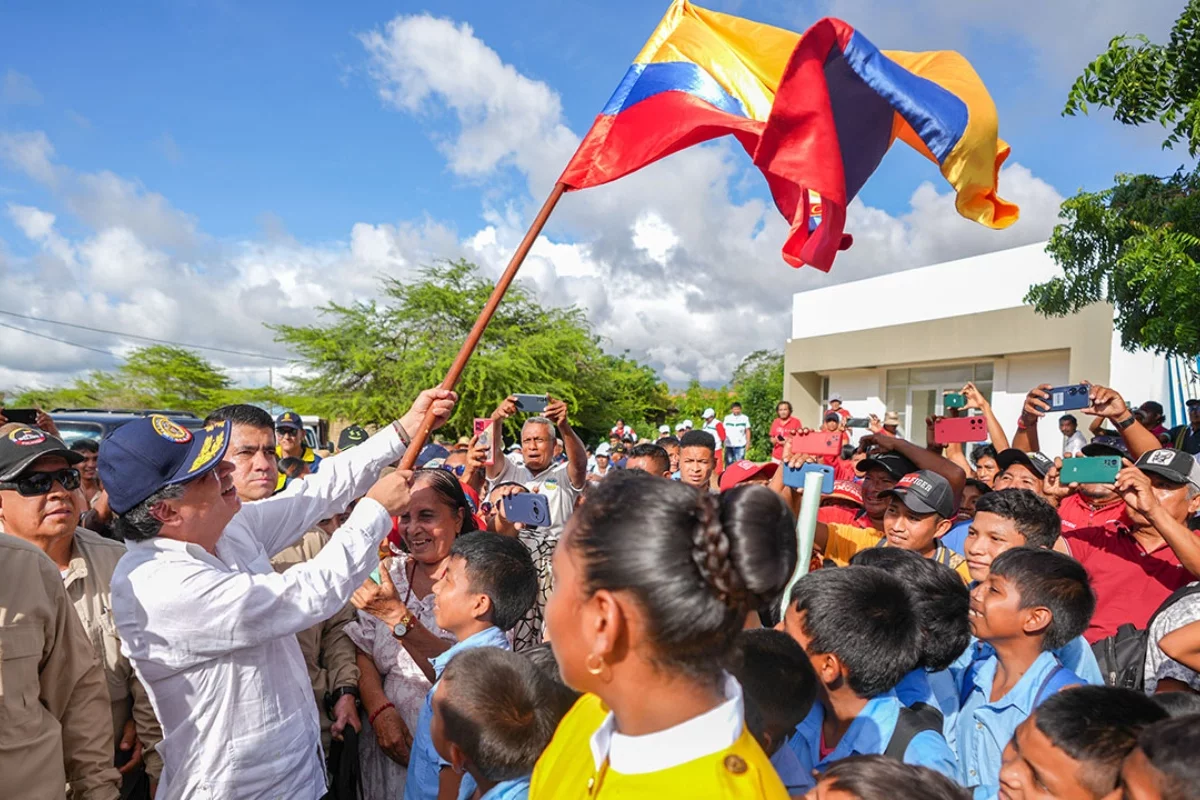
x: 595, y: 665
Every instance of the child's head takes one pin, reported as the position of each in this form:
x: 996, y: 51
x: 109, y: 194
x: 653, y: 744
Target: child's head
x: 873, y: 777
x: 939, y: 598
x: 921, y: 509
x: 653, y: 577
x: 857, y: 625
x: 1072, y: 746
x: 777, y: 680
x: 1006, y: 519
x: 696, y: 458
x: 488, y: 578
x: 494, y: 713
x: 1033, y: 593
x: 1164, y: 765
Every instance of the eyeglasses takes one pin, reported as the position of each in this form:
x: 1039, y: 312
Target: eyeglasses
x: 286, y: 432
x: 37, y: 483
x: 458, y: 470
x: 486, y: 507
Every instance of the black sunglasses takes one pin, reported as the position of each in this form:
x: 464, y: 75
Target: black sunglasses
x: 36, y: 483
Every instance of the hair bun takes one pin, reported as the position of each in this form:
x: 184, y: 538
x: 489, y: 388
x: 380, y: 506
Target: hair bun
x: 712, y: 553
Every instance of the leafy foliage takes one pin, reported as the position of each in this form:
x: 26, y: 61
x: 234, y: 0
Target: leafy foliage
x: 1135, y: 245
x: 1146, y: 82
x: 370, y: 359
x: 151, y: 377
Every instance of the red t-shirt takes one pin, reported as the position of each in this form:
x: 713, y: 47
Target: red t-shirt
x: 786, y: 427
x: 1130, y: 584
x: 1077, y: 513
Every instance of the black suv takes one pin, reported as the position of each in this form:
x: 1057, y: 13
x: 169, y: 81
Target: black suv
x: 96, y: 423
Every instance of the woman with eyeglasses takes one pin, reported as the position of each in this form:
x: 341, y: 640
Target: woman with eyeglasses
x: 391, y: 684
x: 41, y: 501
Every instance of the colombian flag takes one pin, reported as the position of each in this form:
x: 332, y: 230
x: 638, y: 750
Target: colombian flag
x: 816, y: 112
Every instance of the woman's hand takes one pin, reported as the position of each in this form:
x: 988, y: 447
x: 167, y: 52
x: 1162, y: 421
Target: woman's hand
x: 393, y: 736
x: 380, y: 600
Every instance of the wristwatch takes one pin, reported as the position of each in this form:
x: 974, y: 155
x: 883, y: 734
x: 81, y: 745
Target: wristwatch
x: 401, y: 628
x: 1122, y: 424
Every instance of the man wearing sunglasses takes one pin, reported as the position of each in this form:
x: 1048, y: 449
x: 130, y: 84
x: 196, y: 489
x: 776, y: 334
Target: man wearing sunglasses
x: 289, y: 432
x: 67, y: 737
x: 207, y: 622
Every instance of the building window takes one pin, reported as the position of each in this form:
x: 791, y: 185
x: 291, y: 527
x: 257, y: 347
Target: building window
x: 916, y: 393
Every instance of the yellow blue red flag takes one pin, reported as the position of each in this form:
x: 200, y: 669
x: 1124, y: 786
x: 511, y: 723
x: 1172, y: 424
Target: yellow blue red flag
x: 816, y: 112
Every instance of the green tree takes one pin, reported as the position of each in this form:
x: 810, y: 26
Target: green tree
x: 151, y: 377
x: 366, y: 361
x: 758, y: 386
x: 1136, y: 244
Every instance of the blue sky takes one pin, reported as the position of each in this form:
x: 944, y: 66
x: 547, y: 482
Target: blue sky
x: 229, y: 140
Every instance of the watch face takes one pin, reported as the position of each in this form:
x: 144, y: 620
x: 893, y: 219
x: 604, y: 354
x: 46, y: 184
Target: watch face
x: 399, y: 629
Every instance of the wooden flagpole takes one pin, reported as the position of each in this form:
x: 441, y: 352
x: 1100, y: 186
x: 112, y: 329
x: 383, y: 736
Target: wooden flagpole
x: 485, y: 316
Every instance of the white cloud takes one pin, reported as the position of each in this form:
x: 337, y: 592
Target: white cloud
x: 29, y: 153
x: 18, y: 90
x: 103, y: 199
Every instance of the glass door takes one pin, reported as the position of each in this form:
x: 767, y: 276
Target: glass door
x: 922, y: 403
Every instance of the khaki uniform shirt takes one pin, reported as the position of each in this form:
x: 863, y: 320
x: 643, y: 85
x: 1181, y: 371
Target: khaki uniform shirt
x: 328, y: 652
x: 89, y: 580
x: 55, y: 718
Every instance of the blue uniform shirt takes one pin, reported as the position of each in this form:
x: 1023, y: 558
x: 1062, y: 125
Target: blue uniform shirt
x: 956, y: 537
x: 796, y: 779
x: 985, y: 727
x: 517, y: 789
x: 869, y: 734
x: 1076, y: 656
x: 424, y: 764
x: 938, y: 689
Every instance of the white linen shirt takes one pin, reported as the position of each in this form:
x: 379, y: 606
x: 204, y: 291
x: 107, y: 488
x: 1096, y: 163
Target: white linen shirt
x: 212, y: 637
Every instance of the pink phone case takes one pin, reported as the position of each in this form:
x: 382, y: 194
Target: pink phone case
x: 960, y: 429
x: 817, y: 443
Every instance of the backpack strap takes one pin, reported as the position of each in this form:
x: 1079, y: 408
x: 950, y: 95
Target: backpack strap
x: 1058, y: 679
x: 914, y: 719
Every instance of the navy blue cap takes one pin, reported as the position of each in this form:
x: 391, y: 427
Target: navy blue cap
x: 143, y: 456
x: 289, y: 419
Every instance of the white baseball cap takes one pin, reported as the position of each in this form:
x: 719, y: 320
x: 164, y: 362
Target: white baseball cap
x: 603, y: 450
x: 709, y: 413
x: 664, y: 429
x: 680, y: 426
x: 834, y: 397
x: 687, y: 423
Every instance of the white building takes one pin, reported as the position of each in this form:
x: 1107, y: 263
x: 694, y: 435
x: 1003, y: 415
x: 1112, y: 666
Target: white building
x: 896, y: 342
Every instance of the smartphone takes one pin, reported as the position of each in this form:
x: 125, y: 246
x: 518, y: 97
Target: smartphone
x: 817, y: 443
x: 22, y: 416
x: 858, y: 422
x: 954, y: 400
x: 1092, y: 469
x: 532, y: 510
x: 483, y: 429
x: 532, y: 402
x: 794, y: 476
x: 1069, y: 398
x: 960, y: 429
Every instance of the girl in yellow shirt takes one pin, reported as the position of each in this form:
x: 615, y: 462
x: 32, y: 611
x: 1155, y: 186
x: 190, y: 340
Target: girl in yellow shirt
x: 653, y: 580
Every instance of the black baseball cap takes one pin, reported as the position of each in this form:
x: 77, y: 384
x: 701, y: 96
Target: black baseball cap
x: 1039, y: 463
x: 23, y: 445
x: 894, y: 464
x: 924, y: 492
x: 1174, y: 465
x: 354, y: 434
x: 1106, y: 446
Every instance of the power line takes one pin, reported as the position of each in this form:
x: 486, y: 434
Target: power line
x: 130, y: 336
x: 56, y: 339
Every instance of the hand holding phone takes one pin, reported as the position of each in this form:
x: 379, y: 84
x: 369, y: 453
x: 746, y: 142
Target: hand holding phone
x: 1070, y: 398
x: 529, y: 509
x: 483, y: 438
x: 859, y: 422
x: 954, y: 400
x: 22, y: 416
x: 1089, y: 469
x: 794, y: 476
x: 817, y: 443
x: 957, y: 430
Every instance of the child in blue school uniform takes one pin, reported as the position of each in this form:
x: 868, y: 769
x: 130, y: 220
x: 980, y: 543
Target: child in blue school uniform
x: 862, y: 636
x: 1032, y: 603
x: 941, y: 602
x: 488, y: 585
x: 779, y: 687
x: 494, y: 712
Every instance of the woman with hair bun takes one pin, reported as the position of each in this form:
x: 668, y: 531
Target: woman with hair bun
x: 653, y: 582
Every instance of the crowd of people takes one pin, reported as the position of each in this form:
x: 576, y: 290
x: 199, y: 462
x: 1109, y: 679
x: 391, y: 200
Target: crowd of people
x: 226, y: 613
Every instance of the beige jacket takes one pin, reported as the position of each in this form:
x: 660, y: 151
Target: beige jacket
x: 55, y: 719
x: 328, y: 652
x: 89, y: 580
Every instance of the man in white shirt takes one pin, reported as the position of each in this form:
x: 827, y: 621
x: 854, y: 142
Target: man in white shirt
x: 1073, y: 439
x: 737, y: 434
x: 560, y: 484
x: 207, y: 622
x: 717, y: 431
